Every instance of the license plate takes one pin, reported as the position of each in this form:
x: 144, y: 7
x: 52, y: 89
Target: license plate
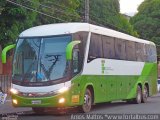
x: 36, y: 102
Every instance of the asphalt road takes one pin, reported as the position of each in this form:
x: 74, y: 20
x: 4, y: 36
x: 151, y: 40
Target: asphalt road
x: 151, y: 107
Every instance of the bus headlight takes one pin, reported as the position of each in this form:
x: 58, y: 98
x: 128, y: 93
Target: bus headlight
x: 62, y: 90
x: 15, y: 101
x: 14, y: 91
x: 61, y: 100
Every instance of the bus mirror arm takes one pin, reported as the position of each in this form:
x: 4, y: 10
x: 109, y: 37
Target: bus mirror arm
x: 69, y: 49
x: 5, y: 50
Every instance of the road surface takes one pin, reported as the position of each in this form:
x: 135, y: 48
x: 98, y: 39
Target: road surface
x: 119, y: 107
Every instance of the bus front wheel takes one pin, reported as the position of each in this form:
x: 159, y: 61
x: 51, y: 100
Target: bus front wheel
x: 138, y: 98
x: 87, y: 105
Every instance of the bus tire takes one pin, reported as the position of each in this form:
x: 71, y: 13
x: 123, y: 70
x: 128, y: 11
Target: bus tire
x: 145, y: 94
x: 87, y: 105
x: 138, y: 98
x: 38, y: 110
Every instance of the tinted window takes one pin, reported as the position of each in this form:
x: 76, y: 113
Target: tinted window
x: 108, y: 47
x: 140, y: 52
x: 120, y: 49
x: 82, y: 36
x: 151, y: 55
x: 95, y: 49
x: 158, y: 81
x: 53, y: 64
x: 154, y: 53
x: 130, y: 51
x: 26, y: 59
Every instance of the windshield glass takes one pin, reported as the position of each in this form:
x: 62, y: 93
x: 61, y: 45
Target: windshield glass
x: 53, y: 64
x: 25, y: 58
x: 40, y: 59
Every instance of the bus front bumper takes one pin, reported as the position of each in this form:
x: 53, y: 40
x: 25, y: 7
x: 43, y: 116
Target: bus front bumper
x: 61, y: 100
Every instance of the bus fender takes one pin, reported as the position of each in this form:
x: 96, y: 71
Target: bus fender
x: 84, y: 89
x: 140, y: 84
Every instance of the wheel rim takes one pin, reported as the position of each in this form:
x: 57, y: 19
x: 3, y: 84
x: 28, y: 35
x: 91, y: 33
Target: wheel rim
x: 145, y: 93
x: 87, y: 102
x: 139, y: 95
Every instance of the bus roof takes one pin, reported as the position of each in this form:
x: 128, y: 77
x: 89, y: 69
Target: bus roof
x: 68, y: 28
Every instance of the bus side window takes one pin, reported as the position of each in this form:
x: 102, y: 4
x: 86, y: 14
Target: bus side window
x: 151, y: 53
x: 95, y: 48
x: 76, y: 61
x: 108, y: 47
x: 154, y: 53
x: 130, y: 51
x: 148, y: 53
x: 82, y: 36
x: 140, y: 52
x: 120, y: 52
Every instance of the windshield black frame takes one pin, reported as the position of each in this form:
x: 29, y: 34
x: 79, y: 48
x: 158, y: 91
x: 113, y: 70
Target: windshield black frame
x: 21, y: 80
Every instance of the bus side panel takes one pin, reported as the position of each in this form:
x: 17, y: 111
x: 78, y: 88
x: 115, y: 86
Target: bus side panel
x: 117, y: 87
x: 111, y: 88
x: 150, y: 74
x: 121, y: 87
x: 98, y: 85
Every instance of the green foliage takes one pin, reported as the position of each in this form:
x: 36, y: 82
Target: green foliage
x: 61, y: 9
x: 107, y: 12
x: 147, y: 20
x: 13, y: 20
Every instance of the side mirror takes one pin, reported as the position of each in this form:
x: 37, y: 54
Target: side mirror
x: 69, y: 49
x: 5, y: 50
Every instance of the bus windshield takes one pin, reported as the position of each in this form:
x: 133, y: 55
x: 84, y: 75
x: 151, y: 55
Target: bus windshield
x: 40, y: 59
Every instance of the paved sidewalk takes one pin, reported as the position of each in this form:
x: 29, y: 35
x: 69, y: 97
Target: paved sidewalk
x: 8, y: 108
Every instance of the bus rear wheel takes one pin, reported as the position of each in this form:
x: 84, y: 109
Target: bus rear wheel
x: 138, y: 98
x: 145, y: 94
x: 38, y: 110
x: 87, y: 105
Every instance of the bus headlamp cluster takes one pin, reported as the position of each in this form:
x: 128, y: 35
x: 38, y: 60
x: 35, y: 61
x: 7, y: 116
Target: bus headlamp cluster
x: 61, y: 100
x: 15, y: 101
x: 61, y: 90
x: 14, y: 91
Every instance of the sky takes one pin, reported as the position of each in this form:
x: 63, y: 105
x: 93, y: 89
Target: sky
x: 129, y: 6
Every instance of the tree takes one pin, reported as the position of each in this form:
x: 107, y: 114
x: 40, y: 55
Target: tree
x: 13, y: 20
x: 147, y: 20
x: 62, y: 10
x: 107, y: 12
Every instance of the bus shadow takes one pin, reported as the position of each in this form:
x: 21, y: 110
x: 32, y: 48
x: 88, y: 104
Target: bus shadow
x: 110, y: 105
x: 95, y: 108
x: 68, y: 112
